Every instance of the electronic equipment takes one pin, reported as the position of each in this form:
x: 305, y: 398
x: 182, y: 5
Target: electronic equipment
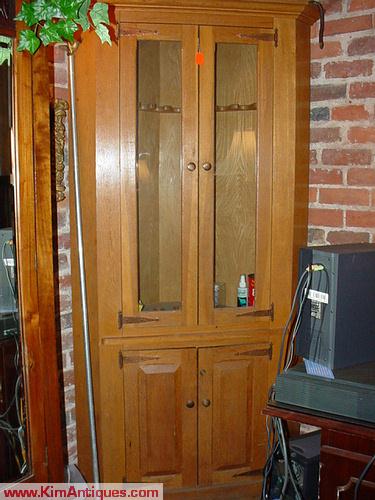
x: 304, y: 454
x: 350, y: 394
x: 8, y: 302
x: 338, y: 319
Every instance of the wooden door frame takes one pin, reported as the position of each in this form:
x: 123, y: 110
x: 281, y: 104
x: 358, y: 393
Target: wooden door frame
x: 33, y: 207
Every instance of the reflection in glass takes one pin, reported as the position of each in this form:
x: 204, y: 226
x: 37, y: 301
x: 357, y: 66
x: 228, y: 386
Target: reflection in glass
x: 236, y: 169
x: 13, y: 439
x: 159, y: 175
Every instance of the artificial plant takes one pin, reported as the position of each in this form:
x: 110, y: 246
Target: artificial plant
x: 5, y: 49
x: 63, y: 21
x: 59, y: 21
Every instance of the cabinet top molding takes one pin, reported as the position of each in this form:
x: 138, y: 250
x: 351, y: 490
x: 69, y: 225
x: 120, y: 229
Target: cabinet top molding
x: 300, y: 9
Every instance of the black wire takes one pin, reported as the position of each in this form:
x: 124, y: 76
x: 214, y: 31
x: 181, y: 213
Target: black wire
x: 285, y: 330
x: 362, y: 476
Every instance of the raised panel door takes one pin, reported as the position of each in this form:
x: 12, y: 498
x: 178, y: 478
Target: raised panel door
x: 160, y: 416
x: 232, y: 392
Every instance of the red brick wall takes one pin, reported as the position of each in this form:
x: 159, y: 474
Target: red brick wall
x: 342, y: 167
x: 59, y: 90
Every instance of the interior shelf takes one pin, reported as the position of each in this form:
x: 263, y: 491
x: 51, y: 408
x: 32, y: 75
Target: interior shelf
x: 155, y: 108
x: 237, y: 107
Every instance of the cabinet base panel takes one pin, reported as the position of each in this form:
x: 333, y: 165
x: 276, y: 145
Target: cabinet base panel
x: 239, y: 491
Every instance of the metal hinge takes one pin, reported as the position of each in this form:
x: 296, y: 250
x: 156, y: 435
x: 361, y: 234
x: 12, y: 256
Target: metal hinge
x: 136, y: 32
x: 247, y: 473
x: 132, y: 320
x: 276, y: 38
x: 257, y: 352
x: 261, y: 37
x: 260, y: 314
x: 130, y: 358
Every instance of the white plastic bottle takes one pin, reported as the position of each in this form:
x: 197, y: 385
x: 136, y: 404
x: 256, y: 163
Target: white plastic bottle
x: 242, y: 292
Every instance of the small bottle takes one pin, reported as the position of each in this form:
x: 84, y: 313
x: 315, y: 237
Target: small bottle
x: 242, y: 292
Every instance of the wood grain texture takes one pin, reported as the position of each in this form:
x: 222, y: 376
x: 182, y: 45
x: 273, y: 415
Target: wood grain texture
x: 239, y: 383
x: 45, y: 266
x: 111, y: 415
x: 35, y: 266
x: 216, y: 12
x: 86, y: 102
x: 232, y: 433
x: 346, y: 447
x: 235, y: 168
x: 159, y: 173
x: 161, y: 428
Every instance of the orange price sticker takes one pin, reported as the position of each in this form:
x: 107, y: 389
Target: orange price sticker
x: 199, y: 58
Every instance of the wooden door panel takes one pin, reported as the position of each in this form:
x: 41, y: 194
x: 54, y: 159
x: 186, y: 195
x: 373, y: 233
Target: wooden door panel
x: 160, y: 427
x: 235, y: 234
x: 232, y: 433
x: 160, y: 264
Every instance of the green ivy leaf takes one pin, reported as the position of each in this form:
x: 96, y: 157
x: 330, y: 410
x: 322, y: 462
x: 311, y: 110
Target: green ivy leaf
x: 67, y: 29
x: 82, y: 18
x: 28, y: 41
x: 83, y: 10
x: 50, y: 33
x: 46, y: 9
x: 58, y: 32
x: 5, y: 49
x: 70, y: 8
x: 103, y: 33
x: 27, y: 14
x: 99, y: 14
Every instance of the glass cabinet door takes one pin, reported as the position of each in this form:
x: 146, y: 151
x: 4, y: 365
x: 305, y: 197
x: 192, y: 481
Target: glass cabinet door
x: 159, y: 174
x: 235, y: 173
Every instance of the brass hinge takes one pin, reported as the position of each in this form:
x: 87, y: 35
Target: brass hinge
x: 136, y: 32
x: 257, y: 352
x: 276, y: 38
x: 261, y: 37
x: 260, y: 314
x: 135, y: 358
x: 247, y: 473
x: 132, y: 320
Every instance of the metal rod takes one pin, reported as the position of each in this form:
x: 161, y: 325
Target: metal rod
x: 82, y: 274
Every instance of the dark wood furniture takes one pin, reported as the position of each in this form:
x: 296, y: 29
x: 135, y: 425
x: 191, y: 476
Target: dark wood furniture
x: 347, y: 446
x: 8, y: 377
x: 31, y: 175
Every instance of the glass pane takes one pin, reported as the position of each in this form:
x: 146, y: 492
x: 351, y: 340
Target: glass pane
x: 159, y: 175
x: 235, y: 174
x: 13, y: 418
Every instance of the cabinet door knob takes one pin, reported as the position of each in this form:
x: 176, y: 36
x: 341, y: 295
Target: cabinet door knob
x: 191, y: 166
x: 207, y: 166
x: 206, y: 403
x: 190, y: 403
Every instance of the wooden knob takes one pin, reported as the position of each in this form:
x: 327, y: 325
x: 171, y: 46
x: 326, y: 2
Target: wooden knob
x: 190, y: 403
x: 207, y: 166
x: 206, y: 403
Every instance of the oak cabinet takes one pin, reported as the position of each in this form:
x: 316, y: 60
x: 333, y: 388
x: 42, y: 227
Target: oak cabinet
x: 198, y: 174
x: 160, y: 416
x: 193, y: 416
x: 194, y: 133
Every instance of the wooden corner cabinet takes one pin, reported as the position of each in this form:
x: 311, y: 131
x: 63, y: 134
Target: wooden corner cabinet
x: 194, y: 133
